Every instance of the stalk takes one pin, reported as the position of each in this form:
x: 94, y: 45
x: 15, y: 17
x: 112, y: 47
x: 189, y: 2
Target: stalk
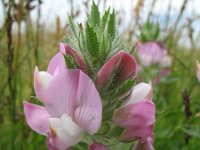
x: 36, y: 52
x: 10, y: 63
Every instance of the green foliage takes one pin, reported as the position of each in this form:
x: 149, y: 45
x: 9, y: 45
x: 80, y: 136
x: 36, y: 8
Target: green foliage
x: 94, y: 17
x: 71, y: 63
x: 149, y: 32
x: 111, y: 25
x: 92, y: 42
x: 96, y: 40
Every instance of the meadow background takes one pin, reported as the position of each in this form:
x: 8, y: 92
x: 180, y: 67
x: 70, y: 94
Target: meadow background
x: 30, y: 32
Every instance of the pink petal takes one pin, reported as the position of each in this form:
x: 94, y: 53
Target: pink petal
x: 138, y: 133
x: 73, y: 92
x: 97, y: 146
x: 88, y: 105
x: 57, y: 64
x: 138, y: 114
x: 122, y: 62
x: 65, y: 48
x: 37, y: 118
x: 41, y: 82
x: 61, y: 93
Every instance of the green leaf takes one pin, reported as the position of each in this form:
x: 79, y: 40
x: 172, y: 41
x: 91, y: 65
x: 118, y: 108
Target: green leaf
x: 95, y: 15
x: 92, y: 42
x: 71, y: 63
x: 125, y: 87
x: 192, y: 132
x: 81, y: 146
x: 149, y: 32
x: 105, y: 18
x: 111, y: 25
x: 73, y: 27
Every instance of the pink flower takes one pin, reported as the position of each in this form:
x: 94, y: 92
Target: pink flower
x: 198, y: 70
x: 72, y: 105
x: 137, y: 115
x: 152, y: 53
x: 122, y: 65
x: 97, y: 146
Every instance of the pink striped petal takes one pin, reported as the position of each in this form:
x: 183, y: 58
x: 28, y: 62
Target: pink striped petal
x: 121, y: 63
x: 88, y: 105
x: 61, y: 94
x: 138, y: 133
x: 57, y: 64
x: 66, y: 49
x: 37, y: 118
x: 138, y: 114
x: 97, y: 146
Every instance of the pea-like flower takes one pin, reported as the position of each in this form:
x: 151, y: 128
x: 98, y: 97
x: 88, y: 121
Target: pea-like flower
x: 72, y: 105
x: 153, y: 53
x: 137, y: 115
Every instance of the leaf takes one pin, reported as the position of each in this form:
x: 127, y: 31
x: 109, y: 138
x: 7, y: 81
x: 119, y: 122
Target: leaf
x: 105, y: 18
x: 92, y: 42
x: 125, y: 87
x: 191, y: 132
x: 81, y: 146
x: 111, y: 25
x: 149, y: 32
x: 71, y: 63
x: 95, y: 15
x: 73, y: 27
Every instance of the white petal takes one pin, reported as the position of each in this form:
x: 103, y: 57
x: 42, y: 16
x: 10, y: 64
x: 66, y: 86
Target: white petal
x: 41, y: 82
x: 67, y: 132
x: 140, y: 92
x: 70, y: 127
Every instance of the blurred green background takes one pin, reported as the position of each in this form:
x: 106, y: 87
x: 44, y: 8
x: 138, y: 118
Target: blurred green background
x: 33, y: 40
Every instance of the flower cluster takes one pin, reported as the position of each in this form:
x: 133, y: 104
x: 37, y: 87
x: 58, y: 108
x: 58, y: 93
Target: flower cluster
x: 90, y: 83
x: 73, y: 106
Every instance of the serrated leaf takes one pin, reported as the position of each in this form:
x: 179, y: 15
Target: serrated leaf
x: 105, y: 18
x: 73, y: 27
x: 92, y: 42
x: 111, y: 25
x: 95, y: 15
